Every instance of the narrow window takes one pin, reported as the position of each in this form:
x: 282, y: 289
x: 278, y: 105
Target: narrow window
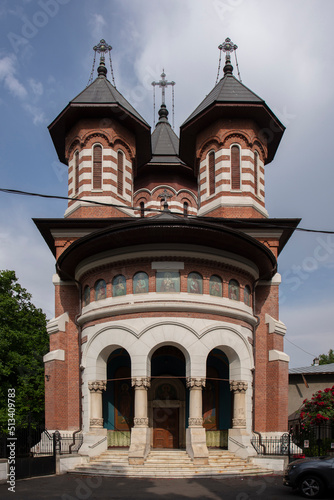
x: 76, y: 172
x: 235, y: 167
x: 256, y: 173
x: 185, y: 208
x: 97, y: 167
x: 120, y: 172
x: 142, y: 209
x: 211, y: 172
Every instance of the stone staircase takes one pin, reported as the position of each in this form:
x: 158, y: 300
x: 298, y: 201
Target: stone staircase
x: 169, y: 464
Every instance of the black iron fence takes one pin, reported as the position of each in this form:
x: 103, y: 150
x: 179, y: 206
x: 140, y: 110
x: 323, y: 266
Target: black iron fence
x: 317, y: 440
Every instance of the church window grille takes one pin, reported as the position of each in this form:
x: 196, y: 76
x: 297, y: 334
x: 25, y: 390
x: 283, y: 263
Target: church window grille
x: 212, y: 180
x: 97, y: 166
x: 76, y: 172
x: 256, y: 173
x: 235, y: 167
x: 120, y: 172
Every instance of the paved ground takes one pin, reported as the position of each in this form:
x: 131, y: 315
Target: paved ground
x: 78, y: 487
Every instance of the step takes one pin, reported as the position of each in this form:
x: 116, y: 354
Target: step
x: 169, y: 463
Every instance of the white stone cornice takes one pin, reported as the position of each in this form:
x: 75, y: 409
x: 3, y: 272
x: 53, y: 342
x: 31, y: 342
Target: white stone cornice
x: 56, y: 355
x: 275, y: 355
x: 59, y: 282
x: 275, y: 326
x: 275, y: 281
x: 56, y: 325
x: 181, y: 302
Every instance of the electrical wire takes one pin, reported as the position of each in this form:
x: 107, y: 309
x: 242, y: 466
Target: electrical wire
x: 313, y: 355
x: 207, y: 219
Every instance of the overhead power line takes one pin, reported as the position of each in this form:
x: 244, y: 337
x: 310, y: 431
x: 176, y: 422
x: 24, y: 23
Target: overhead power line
x: 95, y: 202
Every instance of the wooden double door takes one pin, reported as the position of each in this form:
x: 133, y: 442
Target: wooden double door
x: 165, y: 427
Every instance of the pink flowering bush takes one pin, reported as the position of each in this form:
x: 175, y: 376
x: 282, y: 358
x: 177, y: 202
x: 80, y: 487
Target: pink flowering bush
x: 319, y: 409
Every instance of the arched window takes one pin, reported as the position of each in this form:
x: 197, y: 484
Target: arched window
x: 140, y: 282
x: 185, y: 208
x: 247, y: 295
x: 76, y: 172
x: 216, y: 286
x: 235, y: 167
x: 195, y: 283
x: 86, y: 296
x: 142, y: 209
x: 120, y: 172
x: 256, y: 173
x: 233, y: 290
x: 119, y: 286
x: 100, y: 290
x: 211, y: 165
x: 97, y: 166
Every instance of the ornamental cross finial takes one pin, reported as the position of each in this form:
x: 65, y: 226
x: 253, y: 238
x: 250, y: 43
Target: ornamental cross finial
x: 163, y: 83
x: 102, y: 48
x: 164, y: 196
x: 228, y: 46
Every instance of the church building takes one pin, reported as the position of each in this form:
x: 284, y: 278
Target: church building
x: 166, y: 331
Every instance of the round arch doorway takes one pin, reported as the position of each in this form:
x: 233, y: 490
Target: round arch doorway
x: 167, y: 399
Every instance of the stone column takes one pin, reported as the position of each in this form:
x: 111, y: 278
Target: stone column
x: 238, y: 437
x: 96, y: 415
x: 140, y: 433
x: 195, y: 436
x: 239, y: 403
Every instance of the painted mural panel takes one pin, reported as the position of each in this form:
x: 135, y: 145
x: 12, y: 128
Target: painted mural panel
x: 168, y: 282
x: 195, y: 283
x: 140, y: 283
x: 216, y: 286
x: 119, y: 286
x: 233, y: 290
x: 100, y: 290
x: 86, y: 296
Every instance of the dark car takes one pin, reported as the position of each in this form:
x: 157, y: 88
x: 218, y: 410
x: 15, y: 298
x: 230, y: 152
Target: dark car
x: 312, y: 476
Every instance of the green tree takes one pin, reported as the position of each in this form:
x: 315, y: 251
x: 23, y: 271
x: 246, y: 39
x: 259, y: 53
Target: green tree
x: 325, y: 359
x: 23, y: 343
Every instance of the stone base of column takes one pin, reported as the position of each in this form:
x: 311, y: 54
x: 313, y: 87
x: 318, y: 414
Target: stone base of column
x: 94, y: 442
x: 139, y: 446
x: 239, y: 442
x: 196, y: 445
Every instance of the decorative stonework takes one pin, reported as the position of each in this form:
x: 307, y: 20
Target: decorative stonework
x: 141, y: 422
x: 195, y: 382
x: 238, y: 386
x: 97, y: 386
x: 238, y: 423
x: 195, y: 421
x: 96, y: 422
x: 143, y: 382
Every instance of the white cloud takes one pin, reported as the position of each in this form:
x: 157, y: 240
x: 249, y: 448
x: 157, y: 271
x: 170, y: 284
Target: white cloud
x: 97, y: 23
x: 36, y: 113
x: 36, y: 87
x: 7, y: 76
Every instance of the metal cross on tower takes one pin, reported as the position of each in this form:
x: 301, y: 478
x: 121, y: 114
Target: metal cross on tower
x: 228, y: 46
x: 102, y: 48
x: 163, y: 83
x: 164, y: 197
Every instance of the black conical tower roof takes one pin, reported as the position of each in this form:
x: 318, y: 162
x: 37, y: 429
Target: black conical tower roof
x: 165, y: 143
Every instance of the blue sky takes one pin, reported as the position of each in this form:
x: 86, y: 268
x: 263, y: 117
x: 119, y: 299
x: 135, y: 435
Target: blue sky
x: 284, y: 56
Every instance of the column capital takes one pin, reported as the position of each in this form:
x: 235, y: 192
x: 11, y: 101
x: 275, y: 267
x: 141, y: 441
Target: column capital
x: 198, y: 382
x: 140, y: 421
x: 97, y: 386
x: 238, y: 386
x: 195, y: 422
x: 141, y: 382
